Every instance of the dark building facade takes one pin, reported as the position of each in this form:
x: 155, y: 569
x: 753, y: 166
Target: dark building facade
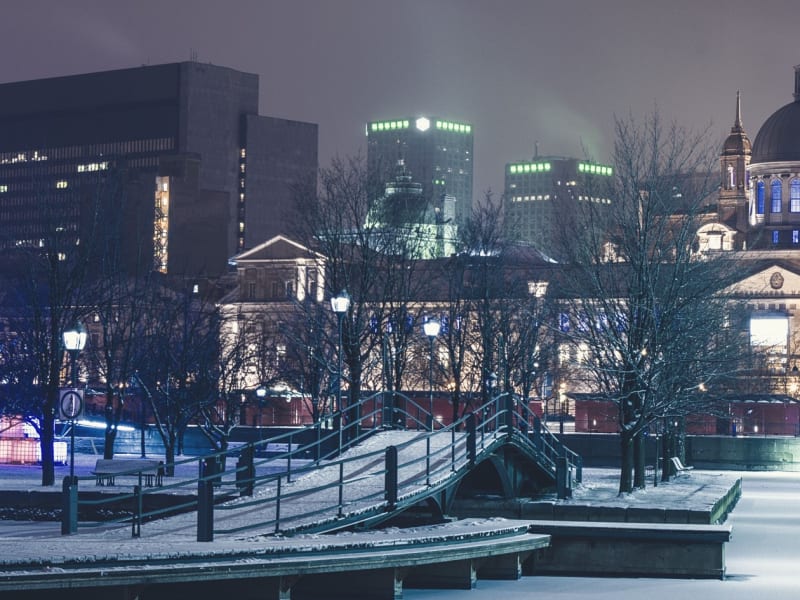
x: 436, y: 152
x: 126, y: 141
x: 541, y: 196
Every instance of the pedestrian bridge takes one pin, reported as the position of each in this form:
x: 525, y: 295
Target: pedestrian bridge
x: 351, y: 476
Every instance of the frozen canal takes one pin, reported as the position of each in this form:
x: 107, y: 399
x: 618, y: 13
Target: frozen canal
x: 763, y: 559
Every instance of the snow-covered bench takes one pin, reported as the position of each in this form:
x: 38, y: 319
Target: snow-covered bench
x: 106, y: 470
x: 680, y: 468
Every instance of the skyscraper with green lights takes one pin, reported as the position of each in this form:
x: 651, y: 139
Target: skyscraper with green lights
x: 542, y: 197
x: 437, y: 153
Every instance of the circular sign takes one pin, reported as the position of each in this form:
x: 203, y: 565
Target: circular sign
x: 71, y: 403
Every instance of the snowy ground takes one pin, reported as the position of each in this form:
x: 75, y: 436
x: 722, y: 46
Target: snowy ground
x: 761, y: 558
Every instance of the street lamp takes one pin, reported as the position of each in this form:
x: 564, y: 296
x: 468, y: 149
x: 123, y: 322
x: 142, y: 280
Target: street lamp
x: 340, y: 305
x: 431, y: 328
x: 74, y: 341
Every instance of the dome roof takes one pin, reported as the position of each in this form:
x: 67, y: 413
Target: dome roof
x: 778, y: 140
x: 779, y: 136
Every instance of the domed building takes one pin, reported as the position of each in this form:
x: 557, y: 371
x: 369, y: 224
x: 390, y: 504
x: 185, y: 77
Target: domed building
x: 774, y: 194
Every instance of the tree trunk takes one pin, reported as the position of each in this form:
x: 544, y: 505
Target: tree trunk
x: 626, y: 469
x: 46, y: 439
x: 112, y: 418
x: 169, y: 455
x: 639, y: 461
x: 666, y: 449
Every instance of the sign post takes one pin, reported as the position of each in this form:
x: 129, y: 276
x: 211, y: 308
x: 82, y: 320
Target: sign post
x: 70, y: 408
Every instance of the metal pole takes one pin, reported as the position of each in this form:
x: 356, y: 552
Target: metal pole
x: 430, y: 388
x: 339, y: 382
x: 74, y: 371
x: 142, y: 411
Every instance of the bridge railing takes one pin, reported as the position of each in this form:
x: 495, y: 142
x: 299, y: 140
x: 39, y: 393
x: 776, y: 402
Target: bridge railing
x: 527, y: 429
x: 343, y: 485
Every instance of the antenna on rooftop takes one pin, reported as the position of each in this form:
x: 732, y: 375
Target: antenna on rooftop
x: 192, y: 55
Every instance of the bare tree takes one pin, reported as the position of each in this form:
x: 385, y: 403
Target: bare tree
x: 45, y: 277
x: 645, y: 313
x: 179, y: 367
x: 369, y: 251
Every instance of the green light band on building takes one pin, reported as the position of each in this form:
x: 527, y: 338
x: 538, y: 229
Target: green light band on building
x: 389, y: 125
x: 594, y: 169
x: 523, y: 168
x: 454, y: 127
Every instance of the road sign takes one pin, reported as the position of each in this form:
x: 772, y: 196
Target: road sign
x: 70, y: 404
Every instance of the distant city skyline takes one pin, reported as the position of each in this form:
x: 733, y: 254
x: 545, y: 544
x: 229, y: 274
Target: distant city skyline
x: 521, y: 72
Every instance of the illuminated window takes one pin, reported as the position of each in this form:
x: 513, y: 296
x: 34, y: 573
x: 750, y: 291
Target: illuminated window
x: 775, y: 237
x: 795, y: 236
x: 794, y: 195
x: 243, y: 153
x: 760, y: 198
x: 769, y: 331
x: 61, y: 184
x: 775, y: 194
x: 3, y: 189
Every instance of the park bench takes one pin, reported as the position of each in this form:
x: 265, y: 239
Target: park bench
x: 680, y: 468
x: 106, y: 470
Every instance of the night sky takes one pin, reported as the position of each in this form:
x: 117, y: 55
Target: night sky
x: 520, y: 71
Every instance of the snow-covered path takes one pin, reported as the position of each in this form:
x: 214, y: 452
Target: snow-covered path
x: 314, y: 497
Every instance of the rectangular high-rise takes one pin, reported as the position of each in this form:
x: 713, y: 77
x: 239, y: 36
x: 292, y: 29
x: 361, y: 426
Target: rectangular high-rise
x: 541, y: 196
x: 437, y: 153
x: 66, y: 141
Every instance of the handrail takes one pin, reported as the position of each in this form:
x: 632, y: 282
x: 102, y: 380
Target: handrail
x: 355, y: 482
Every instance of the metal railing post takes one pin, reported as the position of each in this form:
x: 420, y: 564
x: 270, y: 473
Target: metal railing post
x: 136, y: 522
x: 289, y: 460
x: 471, y: 439
x: 278, y: 507
x: 453, y: 448
x: 318, y: 445
x: 341, y: 489
x: 428, y: 461
x: 246, y: 471
x: 563, y: 488
x: 537, y: 433
x: 69, y: 505
x: 205, y: 502
x: 391, y: 477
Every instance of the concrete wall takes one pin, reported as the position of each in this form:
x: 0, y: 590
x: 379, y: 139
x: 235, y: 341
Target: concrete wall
x: 704, y: 452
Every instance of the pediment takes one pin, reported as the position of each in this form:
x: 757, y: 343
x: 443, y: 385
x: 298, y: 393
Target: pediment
x: 275, y: 249
x: 775, y: 280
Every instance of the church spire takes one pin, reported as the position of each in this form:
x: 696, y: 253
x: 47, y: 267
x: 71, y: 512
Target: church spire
x: 737, y: 125
x: 797, y: 83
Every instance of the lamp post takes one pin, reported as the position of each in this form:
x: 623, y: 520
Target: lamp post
x: 431, y: 328
x: 340, y: 305
x: 261, y: 393
x: 74, y: 341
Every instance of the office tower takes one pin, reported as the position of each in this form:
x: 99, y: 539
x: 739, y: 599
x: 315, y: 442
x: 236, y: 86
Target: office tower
x: 541, y: 195
x: 437, y: 153
x: 164, y: 149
